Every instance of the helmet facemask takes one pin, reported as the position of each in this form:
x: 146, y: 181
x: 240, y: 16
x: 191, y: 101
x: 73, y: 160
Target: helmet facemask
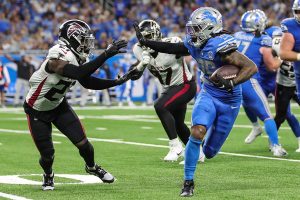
x: 151, y: 31
x: 199, y: 33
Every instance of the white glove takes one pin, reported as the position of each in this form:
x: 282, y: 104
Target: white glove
x: 146, y: 58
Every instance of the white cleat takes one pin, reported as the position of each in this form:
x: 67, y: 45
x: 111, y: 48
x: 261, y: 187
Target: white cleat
x: 298, y: 150
x: 200, y: 160
x: 278, y: 151
x: 256, y: 131
x: 175, y: 152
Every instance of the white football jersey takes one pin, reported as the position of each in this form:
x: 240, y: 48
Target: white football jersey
x: 168, y: 68
x: 47, y: 90
x: 285, y: 74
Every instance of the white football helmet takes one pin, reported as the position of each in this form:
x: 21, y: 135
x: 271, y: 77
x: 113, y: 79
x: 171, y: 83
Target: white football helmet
x: 202, y: 24
x: 296, y: 10
x: 150, y: 29
x: 253, y: 21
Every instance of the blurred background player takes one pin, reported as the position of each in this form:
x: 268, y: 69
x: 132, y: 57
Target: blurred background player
x: 285, y: 92
x: 24, y: 70
x: 4, y: 83
x: 290, y: 49
x: 46, y: 104
x: 218, y: 103
x: 256, y: 45
x: 178, y: 86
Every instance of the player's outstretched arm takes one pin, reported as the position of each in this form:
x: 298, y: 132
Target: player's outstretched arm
x: 163, y: 47
x: 78, y: 72
x: 247, y: 67
x: 286, y: 48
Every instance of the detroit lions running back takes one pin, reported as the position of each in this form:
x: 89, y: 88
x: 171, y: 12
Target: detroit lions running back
x: 218, y: 103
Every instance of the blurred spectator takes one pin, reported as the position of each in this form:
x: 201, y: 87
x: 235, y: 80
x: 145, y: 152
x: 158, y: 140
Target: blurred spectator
x: 24, y: 71
x: 4, y: 82
x: 100, y: 73
x: 33, y: 24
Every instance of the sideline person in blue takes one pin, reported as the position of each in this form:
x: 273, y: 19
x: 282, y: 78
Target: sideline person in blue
x: 218, y: 103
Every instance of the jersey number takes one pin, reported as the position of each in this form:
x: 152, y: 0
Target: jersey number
x: 157, y: 75
x: 63, y: 85
x: 243, y: 45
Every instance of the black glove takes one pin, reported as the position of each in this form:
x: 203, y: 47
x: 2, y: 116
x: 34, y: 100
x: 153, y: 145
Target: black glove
x: 227, y: 84
x: 138, y: 33
x: 115, y: 48
x: 125, y: 77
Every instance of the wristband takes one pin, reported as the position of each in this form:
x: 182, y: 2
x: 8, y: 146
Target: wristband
x: 298, y: 56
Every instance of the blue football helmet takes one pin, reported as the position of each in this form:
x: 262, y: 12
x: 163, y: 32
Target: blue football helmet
x: 296, y: 10
x: 202, y: 24
x: 253, y: 21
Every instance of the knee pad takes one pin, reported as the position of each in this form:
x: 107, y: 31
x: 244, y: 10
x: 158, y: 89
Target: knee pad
x: 209, y: 152
x: 198, y: 132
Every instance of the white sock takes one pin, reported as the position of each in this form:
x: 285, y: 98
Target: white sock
x: 174, y: 142
x: 255, y: 125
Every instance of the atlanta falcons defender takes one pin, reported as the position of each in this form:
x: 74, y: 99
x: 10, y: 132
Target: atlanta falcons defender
x: 46, y: 104
x: 176, y: 79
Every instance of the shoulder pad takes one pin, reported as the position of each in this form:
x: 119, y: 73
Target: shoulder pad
x: 227, y: 44
x: 266, y: 41
x: 172, y: 39
x: 61, y: 52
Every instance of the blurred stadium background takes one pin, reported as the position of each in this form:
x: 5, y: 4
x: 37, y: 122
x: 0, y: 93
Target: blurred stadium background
x: 29, y: 27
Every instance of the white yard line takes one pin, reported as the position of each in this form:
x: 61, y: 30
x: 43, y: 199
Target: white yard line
x: 146, y: 127
x: 101, y: 128
x: 13, y: 197
x: 120, y: 141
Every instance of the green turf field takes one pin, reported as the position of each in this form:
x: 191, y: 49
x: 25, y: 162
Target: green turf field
x: 121, y: 139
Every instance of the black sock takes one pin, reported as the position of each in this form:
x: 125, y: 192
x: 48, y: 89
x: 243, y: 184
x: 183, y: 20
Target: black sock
x: 46, y: 164
x: 87, y: 153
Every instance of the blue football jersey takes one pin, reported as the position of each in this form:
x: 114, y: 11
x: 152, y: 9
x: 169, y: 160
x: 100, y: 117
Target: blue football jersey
x: 273, y: 31
x: 292, y: 26
x: 249, y: 45
x: 209, y: 59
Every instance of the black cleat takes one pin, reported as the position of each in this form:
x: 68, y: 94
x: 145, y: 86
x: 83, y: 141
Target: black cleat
x: 188, y: 188
x: 105, y: 176
x: 48, y: 182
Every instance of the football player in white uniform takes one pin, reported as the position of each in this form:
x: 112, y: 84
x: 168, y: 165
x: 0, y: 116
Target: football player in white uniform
x: 178, y: 86
x: 46, y: 104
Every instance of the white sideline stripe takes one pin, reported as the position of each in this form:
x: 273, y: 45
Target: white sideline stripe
x: 13, y: 197
x: 119, y: 141
x: 146, y: 127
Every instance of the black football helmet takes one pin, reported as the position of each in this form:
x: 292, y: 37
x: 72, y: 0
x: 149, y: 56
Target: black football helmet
x: 77, y: 35
x: 150, y: 29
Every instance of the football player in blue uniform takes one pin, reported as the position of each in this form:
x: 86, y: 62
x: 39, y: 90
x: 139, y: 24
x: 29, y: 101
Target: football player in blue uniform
x: 218, y: 103
x: 285, y: 87
x: 290, y: 44
x: 256, y: 45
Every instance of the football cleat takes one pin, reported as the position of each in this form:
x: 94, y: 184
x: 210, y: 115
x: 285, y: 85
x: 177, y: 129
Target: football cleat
x: 48, y: 182
x: 256, y: 131
x: 105, y: 176
x: 188, y: 188
x: 278, y: 151
x: 176, y: 151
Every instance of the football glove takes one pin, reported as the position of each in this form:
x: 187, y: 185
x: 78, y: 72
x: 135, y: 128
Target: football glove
x: 146, y: 58
x: 138, y: 33
x: 128, y: 75
x: 115, y: 48
x: 227, y: 84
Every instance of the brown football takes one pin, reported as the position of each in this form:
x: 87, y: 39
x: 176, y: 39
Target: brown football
x: 226, y: 71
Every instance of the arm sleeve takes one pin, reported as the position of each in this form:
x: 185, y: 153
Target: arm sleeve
x: 167, y: 47
x: 96, y: 83
x: 84, y: 70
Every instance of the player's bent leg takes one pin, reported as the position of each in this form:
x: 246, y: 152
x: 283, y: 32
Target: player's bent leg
x: 69, y: 124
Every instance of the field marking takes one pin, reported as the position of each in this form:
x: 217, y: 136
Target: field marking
x: 13, y: 197
x: 146, y: 127
x: 163, y: 139
x: 0, y: 143
x: 101, y: 128
x: 120, y: 141
x: 56, y: 142
x: 18, y: 179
